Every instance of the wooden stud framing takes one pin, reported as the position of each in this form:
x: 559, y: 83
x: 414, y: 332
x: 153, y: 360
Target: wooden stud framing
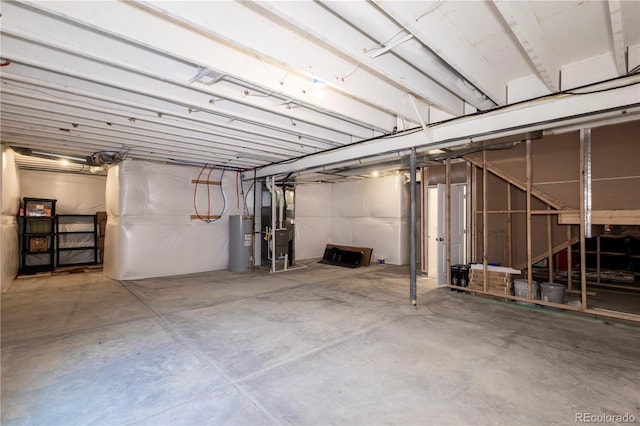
x: 528, y: 188
x: 509, y: 227
x: 468, y: 197
x: 550, y: 247
x: 485, y: 228
x: 552, y: 201
x: 597, y: 312
x: 569, y: 260
x: 598, y: 259
x: 474, y: 211
x: 424, y: 245
x: 205, y: 182
x: 533, y: 212
x: 448, y: 218
x: 204, y: 217
x: 538, y: 258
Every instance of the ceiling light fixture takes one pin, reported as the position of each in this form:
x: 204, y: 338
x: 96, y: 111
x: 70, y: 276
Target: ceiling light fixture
x: 319, y: 84
x: 375, y: 173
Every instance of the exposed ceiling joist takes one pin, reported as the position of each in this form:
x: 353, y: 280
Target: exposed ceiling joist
x: 521, y: 19
x: 232, y: 82
x: 618, y: 36
x: 531, y: 116
x: 179, y: 37
x: 349, y: 38
x: 435, y: 32
x: 131, y: 62
x: 164, y: 96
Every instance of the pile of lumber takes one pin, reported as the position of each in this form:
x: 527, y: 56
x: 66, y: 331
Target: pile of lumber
x: 499, y: 280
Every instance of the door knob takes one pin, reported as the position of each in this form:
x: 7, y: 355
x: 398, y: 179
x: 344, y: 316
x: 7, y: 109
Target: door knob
x: 439, y: 239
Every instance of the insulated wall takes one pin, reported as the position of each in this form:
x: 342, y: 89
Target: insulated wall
x: 9, y: 226
x: 366, y: 213
x: 313, y: 219
x: 76, y: 193
x: 150, y: 230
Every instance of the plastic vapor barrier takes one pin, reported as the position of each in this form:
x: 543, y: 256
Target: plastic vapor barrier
x: 150, y: 232
x: 366, y: 213
x: 76, y: 193
x: 10, y: 203
x: 313, y: 219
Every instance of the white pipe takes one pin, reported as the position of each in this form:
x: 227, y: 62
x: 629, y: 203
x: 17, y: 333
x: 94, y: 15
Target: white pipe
x: 273, y: 223
x: 280, y: 192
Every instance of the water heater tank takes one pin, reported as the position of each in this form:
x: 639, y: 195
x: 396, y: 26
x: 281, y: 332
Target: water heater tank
x: 240, y: 243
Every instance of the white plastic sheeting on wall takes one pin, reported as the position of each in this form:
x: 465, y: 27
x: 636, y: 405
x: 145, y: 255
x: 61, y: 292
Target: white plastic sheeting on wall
x: 313, y: 219
x: 75, y: 193
x: 10, y: 184
x: 150, y: 232
x: 366, y: 213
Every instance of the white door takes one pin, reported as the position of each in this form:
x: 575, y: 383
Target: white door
x: 436, y: 230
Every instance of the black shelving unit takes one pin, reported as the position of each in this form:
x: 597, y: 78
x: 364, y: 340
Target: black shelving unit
x: 76, y: 233
x: 37, y: 249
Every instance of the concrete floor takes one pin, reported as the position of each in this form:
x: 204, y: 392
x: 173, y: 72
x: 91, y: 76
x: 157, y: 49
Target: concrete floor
x: 324, y: 345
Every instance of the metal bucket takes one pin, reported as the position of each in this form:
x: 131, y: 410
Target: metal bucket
x: 553, y: 292
x: 521, y: 289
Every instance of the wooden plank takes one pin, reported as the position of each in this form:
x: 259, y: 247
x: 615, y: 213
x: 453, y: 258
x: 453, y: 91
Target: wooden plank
x: 485, y: 230
x: 529, y: 244
x: 474, y: 210
x: 448, y: 217
x: 556, y: 249
x: 204, y: 217
x: 598, y: 259
x: 467, y: 204
x: 550, y: 247
x: 533, y: 212
x: 598, y: 312
x: 601, y: 217
x: 205, y: 182
x: 569, y: 260
x: 423, y: 219
x: 509, y: 227
x: 542, y: 196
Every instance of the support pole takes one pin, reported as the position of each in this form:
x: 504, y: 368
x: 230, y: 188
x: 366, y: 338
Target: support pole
x: 585, y: 139
x: 413, y: 290
x: 448, y: 218
x: 272, y: 191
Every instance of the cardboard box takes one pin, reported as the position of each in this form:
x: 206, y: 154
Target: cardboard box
x: 366, y: 252
x: 39, y: 244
